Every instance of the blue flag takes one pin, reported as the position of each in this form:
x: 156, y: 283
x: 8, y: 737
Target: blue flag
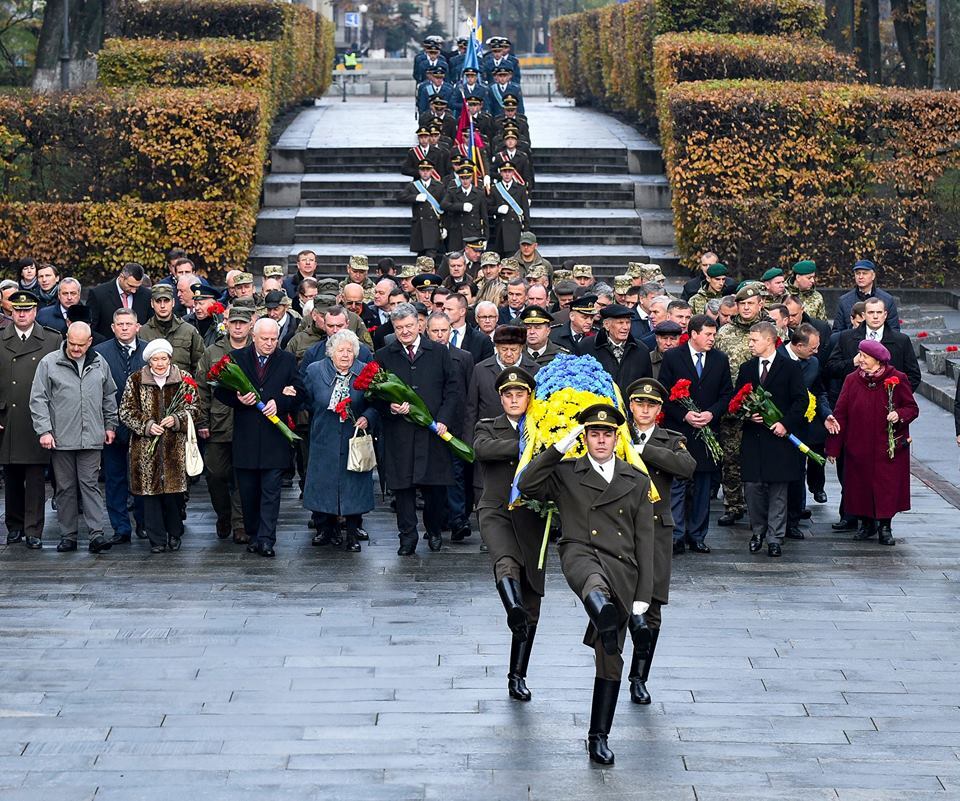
x: 470, y: 60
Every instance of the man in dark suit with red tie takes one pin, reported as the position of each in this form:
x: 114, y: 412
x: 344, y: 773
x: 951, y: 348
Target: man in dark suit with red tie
x: 123, y: 292
x: 261, y: 453
x: 711, y: 389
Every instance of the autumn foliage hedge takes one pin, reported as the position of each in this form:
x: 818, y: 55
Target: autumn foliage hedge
x: 604, y: 57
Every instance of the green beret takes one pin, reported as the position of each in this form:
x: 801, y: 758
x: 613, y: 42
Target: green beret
x: 716, y: 270
x: 805, y: 267
x: 773, y: 272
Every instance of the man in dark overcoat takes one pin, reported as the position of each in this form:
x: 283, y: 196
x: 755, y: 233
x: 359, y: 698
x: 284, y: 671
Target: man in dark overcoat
x: 769, y: 462
x: 606, y: 548
x: 415, y: 457
x: 614, y: 347
x: 22, y: 346
x: 425, y: 232
x: 665, y: 454
x: 711, y: 389
x: 465, y: 209
x: 511, y: 536
x: 512, y: 207
x: 483, y: 399
x: 261, y: 453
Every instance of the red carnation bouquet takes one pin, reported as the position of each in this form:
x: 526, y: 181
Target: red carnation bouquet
x: 217, y: 311
x: 344, y: 410
x: 227, y: 373
x: 751, y: 400
x: 186, y: 395
x: 680, y: 393
x: 890, y: 384
x: 376, y: 382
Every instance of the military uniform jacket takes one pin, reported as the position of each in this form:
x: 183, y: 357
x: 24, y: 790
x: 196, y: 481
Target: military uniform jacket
x: 426, y: 91
x: 185, y: 339
x: 510, y: 225
x: 18, y: 365
x: 519, y: 160
x: 465, y: 90
x: 464, y: 224
x: 435, y: 154
x: 699, y: 301
x: 550, y: 351
x: 498, y: 92
x: 425, y: 228
x: 500, y: 120
x: 448, y: 125
x: 488, y: 64
x: 666, y: 456
x: 212, y: 413
x: 607, y: 528
x: 516, y: 533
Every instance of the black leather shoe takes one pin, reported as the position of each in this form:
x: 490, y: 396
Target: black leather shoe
x: 806, y: 514
x: 223, y: 529
x: 603, y: 614
x: 866, y: 530
x: 729, y: 518
x: 98, y: 543
x: 820, y: 497
x: 120, y: 539
x: 362, y: 535
x: 174, y: 543
x: 158, y: 549
x: 678, y: 547
x: 886, y: 534
x: 34, y: 543
x: 460, y: 534
x: 13, y: 537
x: 638, y: 692
x: 794, y: 534
x: 66, y: 545
x: 322, y: 537
x: 435, y: 541
x: 407, y: 547
x: 756, y: 543
x: 698, y: 547
x: 252, y: 548
x: 266, y: 550
x: 844, y: 524
x: 774, y: 549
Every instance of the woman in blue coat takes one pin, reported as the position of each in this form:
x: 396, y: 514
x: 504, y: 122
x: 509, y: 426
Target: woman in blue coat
x: 330, y: 489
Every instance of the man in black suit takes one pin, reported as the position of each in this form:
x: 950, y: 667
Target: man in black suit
x: 462, y: 335
x: 123, y: 292
x: 261, y: 453
x: 768, y: 461
x: 583, y: 315
x: 55, y: 316
x: 614, y: 347
x: 415, y: 457
x: 123, y: 354
x: 711, y: 389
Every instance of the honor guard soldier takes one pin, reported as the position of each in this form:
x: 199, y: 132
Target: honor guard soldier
x: 455, y: 62
x: 425, y: 194
x: 509, y: 198
x: 465, y: 210
x: 713, y: 287
x: 510, y: 154
x: 434, y: 86
x: 499, y: 56
x: 424, y: 151
x: 482, y: 121
x: 803, y: 286
x: 439, y: 112
x: 430, y: 57
x: 511, y: 535
x: 502, y: 88
x: 510, y: 113
x: 469, y: 86
x: 665, y: 454
x: 606, y: 548
x: 539, y: 346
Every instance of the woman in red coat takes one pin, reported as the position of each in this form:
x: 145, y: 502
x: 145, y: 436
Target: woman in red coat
x: 876, y: 486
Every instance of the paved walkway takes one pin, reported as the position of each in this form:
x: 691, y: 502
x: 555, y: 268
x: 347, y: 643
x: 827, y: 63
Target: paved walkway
x: 211, y: 674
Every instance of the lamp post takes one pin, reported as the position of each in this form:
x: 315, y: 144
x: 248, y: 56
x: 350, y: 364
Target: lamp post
x: 937, y: 44
x: 65, y: 48
x: 362, y: 8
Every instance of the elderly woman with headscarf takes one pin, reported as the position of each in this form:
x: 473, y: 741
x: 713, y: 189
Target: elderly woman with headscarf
x: 156, y: 403
x: 330, y: 490
x: 876, y: 400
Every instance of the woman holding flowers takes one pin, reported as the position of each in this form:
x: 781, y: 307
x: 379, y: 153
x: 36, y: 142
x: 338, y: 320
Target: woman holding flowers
x: 156, y: 403
x: 337, y: 409
x: 873, y: 414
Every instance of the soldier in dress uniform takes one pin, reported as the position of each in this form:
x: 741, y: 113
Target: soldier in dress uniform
x: 510, y: 154
x: 665, y: 454
x: 434, y: 86
x: 803, y: 286
x: 539, y: 346
x: 465, y: 210
x: 430, y: 57
x: 512, y: 218
x: 606, y: 548
x: 511, y: 536
x: 498, y: 56
x: 22, y: 345
x: 439, y: 112
x: 424, y: 151
x: 502, y: 87
x: 482, y: 121
x: 510, y: 113
x: 469, y: 86
x: 425, y: 194
x: 455, y: 62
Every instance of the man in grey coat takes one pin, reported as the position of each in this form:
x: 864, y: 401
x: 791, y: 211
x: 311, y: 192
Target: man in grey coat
x: 73, y: 404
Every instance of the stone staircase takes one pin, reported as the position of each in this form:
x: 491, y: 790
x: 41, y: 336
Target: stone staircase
x: 605, y: 205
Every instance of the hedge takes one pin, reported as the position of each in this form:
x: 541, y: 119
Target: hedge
x: 604, y: 57
x: 90, y: 240
x: 151, y: 145
x: 911, y: 240
x: 792, y: 142
x: 698, y: 56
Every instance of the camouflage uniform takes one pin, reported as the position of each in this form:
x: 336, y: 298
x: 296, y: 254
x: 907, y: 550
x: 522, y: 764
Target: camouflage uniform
x: 769, y: 301
x: 812, y: 302
x: 699, y: 301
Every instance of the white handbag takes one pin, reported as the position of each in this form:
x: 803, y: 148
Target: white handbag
x: 361, y: 457
x: 192, y: 457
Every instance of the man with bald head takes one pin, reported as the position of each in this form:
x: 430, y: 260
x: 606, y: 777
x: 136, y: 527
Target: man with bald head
x: 352, y: 299
x: 73, y: 405
x: 261, y: 454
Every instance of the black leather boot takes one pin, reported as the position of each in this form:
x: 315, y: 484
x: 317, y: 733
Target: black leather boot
x: 885, y: 532
x: 353, y: 539
x: 603, y: 614
x: 512, y: 599
x: 605, y: 694
x: 867, y: 529
x: 640, y: 671
x: 519, y: 659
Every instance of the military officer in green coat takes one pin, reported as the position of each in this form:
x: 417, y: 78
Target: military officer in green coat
x: 606, y: 548
x: 511, y: 536
x: 665, y: 454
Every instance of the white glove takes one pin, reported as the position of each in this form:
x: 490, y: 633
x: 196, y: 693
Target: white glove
x: 467, y: 207
x: 421, y: 197
x: 443, y: 233
x: 570, y: 440
x: 486, y: 181
x: 640, y: 607
x: 502, y: 209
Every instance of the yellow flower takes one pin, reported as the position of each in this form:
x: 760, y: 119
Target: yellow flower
x: 811, y: 407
